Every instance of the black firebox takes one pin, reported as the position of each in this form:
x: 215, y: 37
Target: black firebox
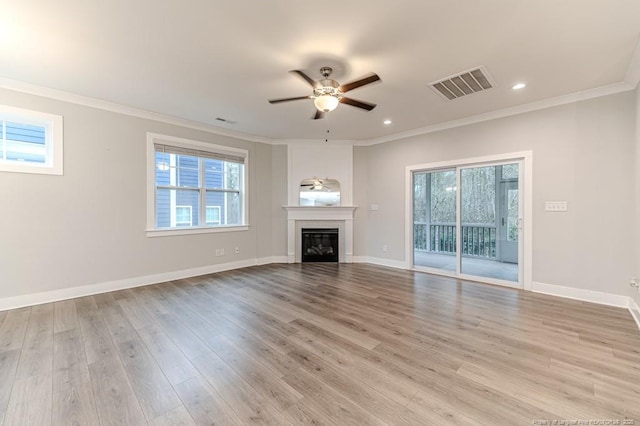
x: 319, y: 245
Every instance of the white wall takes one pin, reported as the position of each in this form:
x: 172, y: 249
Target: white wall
x: 324, y: 160
x: 88, y: 226
x: 582, y: 153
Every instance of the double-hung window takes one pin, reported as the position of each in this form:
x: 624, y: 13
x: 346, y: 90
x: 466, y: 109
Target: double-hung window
x: 30, y: 141
x: 196, y: 186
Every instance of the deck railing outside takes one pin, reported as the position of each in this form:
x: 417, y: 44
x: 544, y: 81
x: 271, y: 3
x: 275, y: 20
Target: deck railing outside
x: 478, y: 240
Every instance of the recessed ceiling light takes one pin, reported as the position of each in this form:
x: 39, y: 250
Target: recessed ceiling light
x: 387, y: 121
x: 519, y: 86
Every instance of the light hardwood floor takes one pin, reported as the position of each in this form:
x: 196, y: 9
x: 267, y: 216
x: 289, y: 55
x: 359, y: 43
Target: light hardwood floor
x: 318, y: 344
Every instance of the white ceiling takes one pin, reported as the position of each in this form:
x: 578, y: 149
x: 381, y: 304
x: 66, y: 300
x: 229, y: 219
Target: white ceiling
x: 203, y: 59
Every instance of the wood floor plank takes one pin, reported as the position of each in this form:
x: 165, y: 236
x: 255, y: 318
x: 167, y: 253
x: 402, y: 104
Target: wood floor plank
x: 346, y: 356
x: 116, y: 402
x: 65, y: 316
x: 154, y: 392
x: 364, y: 396
x: 37, y: 351
x: 184, y: 338
x: 264, y: 380
x: 69, y: 361
x: 119, y: 326
x: 13, y: 329
x: 134, y: 311
x: 97, y: 341
x: 176, y: 417
x: 328, y: 403
x: 248, y: 404
x: 356, y: 337
x: 74, y: 404
x: 318, y: 344
x: 525, y: 389
x: 30, y: 402
x: 205, y: 405
x: 175, y: 365
x: 8, y: 365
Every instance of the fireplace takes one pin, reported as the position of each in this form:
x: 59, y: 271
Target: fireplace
x: 319, y: 245
x: 320, y: 218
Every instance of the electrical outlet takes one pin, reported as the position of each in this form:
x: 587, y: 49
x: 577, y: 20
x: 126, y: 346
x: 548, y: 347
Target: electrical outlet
x: 555, y: 206
x: 634, y: 283
x: 237, y: 250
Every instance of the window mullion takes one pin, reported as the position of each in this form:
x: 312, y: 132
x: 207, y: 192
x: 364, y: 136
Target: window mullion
x: 4, y: 140
x: 203, y: 192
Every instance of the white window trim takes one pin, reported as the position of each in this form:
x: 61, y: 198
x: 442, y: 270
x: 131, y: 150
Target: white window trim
x: 151, y: 230
x: 53, y: 140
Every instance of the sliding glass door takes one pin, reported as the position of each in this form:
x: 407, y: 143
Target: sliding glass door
x: 434, y: 219
x: 467, y: 221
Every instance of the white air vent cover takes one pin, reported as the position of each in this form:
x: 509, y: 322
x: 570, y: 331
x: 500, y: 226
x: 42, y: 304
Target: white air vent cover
x: 464, y: 83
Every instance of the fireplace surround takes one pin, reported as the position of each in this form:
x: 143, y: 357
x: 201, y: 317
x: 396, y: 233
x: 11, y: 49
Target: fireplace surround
x: 337, y: 217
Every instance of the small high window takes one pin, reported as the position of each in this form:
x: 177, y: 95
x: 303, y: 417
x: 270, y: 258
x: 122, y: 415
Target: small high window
x: 30, y: 141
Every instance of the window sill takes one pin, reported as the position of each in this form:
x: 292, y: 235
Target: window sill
x: 189, y: 231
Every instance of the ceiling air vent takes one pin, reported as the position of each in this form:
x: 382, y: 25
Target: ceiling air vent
x: 462, y: 84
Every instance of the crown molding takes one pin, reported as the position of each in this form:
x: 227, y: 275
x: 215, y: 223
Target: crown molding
x: 630, y: 83
x: 633, y: 72
x: 59, y: 95
x: 520, y: 109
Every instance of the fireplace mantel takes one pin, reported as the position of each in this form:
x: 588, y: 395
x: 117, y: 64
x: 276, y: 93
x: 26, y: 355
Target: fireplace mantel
x: 320, y: 212
x: 319, y: 217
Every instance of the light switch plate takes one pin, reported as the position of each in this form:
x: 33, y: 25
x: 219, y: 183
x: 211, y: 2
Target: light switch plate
x: 555, y: 206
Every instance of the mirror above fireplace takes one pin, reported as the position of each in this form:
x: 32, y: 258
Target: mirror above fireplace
x: 316, y: 192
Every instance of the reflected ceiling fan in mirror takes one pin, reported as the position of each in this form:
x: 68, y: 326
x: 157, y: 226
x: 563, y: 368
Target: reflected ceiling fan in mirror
x: 315, y: 184
x: 328, y: 93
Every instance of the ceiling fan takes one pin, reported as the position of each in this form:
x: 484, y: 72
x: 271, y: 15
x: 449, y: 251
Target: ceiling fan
x: 317, y: 184
x: 328, y: 93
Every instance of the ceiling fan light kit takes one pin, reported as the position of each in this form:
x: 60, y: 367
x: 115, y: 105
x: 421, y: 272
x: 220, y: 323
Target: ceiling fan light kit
x: 326, y: 103
x: 328, y: 93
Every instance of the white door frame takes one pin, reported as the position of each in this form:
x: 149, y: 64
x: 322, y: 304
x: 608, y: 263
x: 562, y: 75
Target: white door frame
x: 526, y: 188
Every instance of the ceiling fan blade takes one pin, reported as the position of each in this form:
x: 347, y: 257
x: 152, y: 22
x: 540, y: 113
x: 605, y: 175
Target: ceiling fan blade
x: 360, y: 104
x: 359, y: 83
x: 319, y: 114
x: 277, y: 101
x: 305, y: 77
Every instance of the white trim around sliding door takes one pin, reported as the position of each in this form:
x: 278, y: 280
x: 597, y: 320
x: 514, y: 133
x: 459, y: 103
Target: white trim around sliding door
x: 526, y: 183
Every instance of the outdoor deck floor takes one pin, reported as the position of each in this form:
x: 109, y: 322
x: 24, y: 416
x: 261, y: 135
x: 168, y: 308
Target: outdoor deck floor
x: 470, y: 266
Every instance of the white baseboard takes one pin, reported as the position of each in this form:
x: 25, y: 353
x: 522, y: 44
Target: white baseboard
x: 635, y: 311
x: 91, y: 289
x: 398, y: 264
x: 272, y: 259
x: 581, y: 294
x: 88, y: 290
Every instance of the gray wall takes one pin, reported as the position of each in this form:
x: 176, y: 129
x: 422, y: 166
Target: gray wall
x: 635, y: 293
x: 582, y: 153
x: 280, y: 195
x: 88, y: 226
